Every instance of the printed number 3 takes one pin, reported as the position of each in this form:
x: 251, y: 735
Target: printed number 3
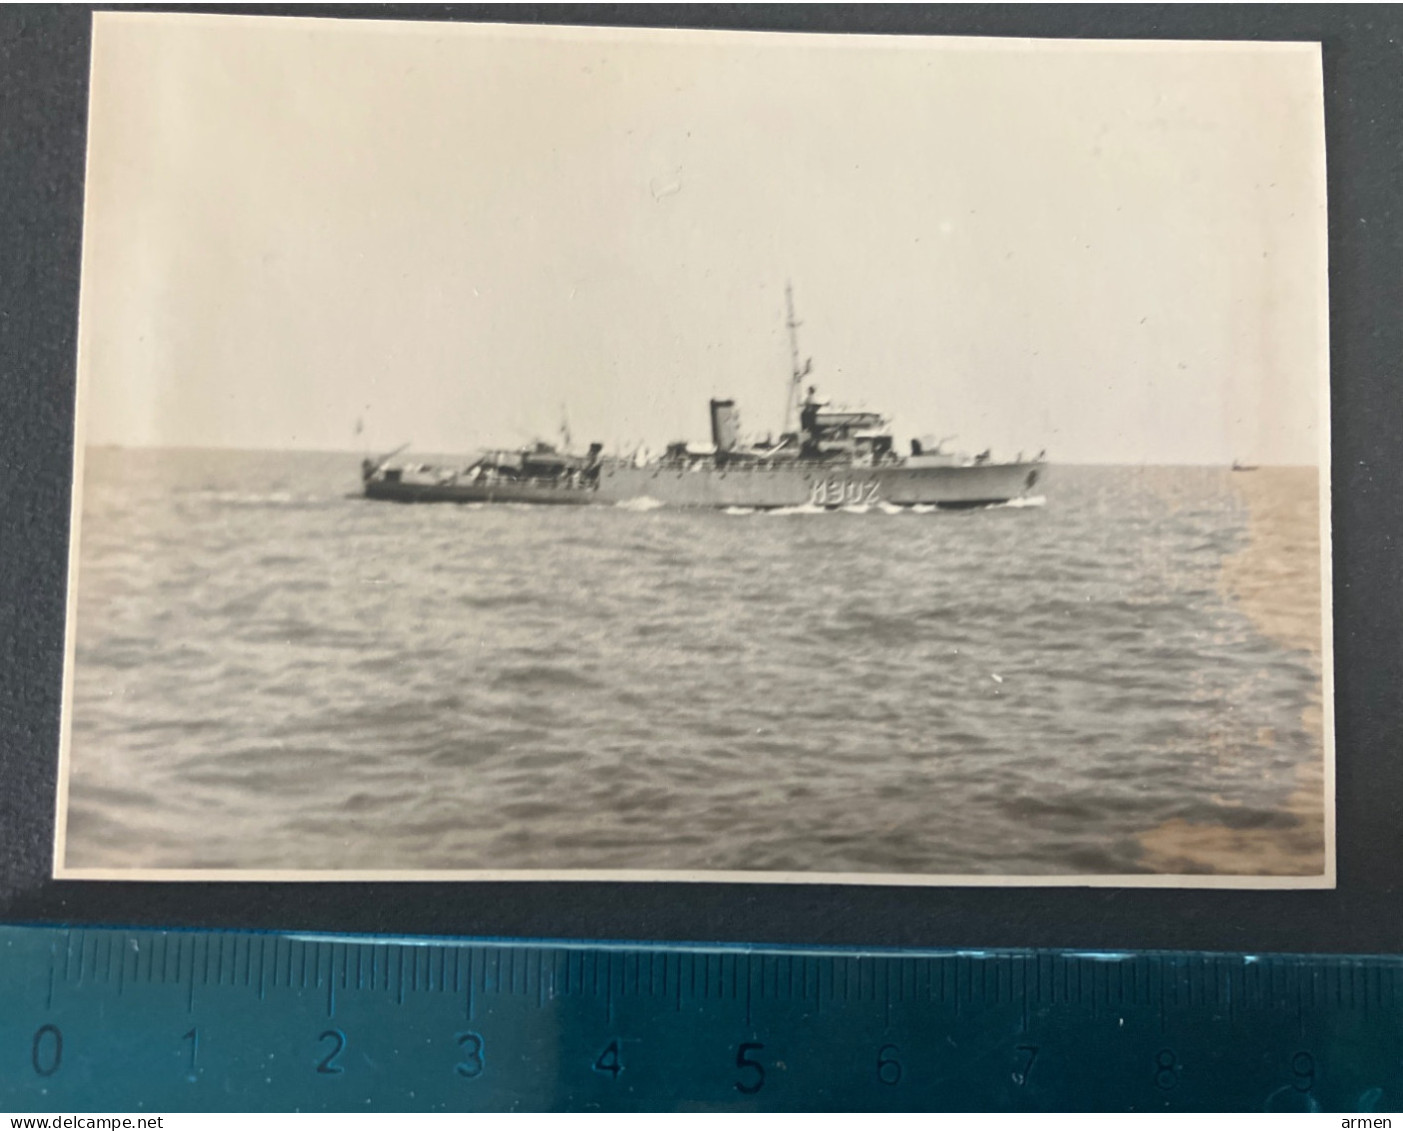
x: 472, y: 1062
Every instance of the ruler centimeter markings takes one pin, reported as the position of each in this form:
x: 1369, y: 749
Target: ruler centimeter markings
x: 118, y: 1020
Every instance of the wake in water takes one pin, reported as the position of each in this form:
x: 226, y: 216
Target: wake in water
x: 256, y: 499
x: 645, y: 503
x: 865, y: 508
x: 640, y: 504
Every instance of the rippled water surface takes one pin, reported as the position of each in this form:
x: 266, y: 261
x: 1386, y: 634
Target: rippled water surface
x: 272, y: 673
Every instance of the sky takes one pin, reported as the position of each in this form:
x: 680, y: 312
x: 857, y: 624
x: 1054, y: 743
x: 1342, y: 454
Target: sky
x: 458, y: 236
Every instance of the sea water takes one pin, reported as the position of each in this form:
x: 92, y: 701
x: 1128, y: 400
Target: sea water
x: 274, y: 673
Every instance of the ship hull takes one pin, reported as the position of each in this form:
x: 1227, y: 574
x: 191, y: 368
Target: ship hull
x: 757, y: 487
x: 971, y: 485
x: 400, y: 491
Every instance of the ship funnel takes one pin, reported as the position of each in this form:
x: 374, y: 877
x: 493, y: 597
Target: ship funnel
x: 725, y: 425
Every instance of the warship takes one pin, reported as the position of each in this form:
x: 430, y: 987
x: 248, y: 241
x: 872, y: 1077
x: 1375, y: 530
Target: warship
x: 824, y: 457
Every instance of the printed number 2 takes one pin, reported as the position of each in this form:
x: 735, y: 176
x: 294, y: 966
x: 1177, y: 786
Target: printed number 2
x: 743, y: 1062
x: 328, y: 1065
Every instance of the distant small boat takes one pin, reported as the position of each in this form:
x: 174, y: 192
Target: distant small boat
x: 1238, y: 465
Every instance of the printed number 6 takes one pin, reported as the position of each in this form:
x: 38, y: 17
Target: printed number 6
x: 888, y: 1067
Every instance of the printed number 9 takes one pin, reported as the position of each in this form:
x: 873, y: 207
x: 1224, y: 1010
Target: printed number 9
x: 1303, y: 1069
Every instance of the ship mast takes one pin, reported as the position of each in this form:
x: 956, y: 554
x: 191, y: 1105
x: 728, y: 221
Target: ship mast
x: 796, y: 374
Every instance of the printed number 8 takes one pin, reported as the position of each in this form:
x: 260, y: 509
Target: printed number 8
x: 1166, y: 1069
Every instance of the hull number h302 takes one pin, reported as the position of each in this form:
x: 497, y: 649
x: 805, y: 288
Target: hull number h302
x: 840, y: 492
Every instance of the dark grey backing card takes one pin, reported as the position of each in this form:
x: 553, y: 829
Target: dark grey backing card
x: 43, y: 92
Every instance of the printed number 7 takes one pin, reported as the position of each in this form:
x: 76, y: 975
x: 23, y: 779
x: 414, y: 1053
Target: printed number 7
x: 1030, y: 1054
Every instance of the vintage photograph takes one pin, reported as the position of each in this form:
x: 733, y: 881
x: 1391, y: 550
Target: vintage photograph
x: 510, y: 451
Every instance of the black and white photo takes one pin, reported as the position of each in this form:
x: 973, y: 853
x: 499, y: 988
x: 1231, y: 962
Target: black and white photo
x: 566, y: 452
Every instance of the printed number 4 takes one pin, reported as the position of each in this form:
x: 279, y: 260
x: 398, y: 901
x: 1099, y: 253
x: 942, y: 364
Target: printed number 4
x: 609, y: 1061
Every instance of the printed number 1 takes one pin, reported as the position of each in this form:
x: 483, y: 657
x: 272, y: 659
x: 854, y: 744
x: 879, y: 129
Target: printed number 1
x: 193, y: 1036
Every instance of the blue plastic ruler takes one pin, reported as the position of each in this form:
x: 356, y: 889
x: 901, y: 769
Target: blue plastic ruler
x: 118, y: 1020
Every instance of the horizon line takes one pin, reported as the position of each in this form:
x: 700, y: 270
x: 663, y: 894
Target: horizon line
x: 359, y: 454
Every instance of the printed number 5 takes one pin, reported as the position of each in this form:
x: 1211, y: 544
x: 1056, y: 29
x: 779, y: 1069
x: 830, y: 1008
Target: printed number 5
x: 757, y: 1069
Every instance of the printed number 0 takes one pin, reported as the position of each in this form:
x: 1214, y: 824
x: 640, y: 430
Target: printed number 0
x: 743, y: 1061
x: 46, y: 1065
x: 888, y: 1067
x: 473, y: 1060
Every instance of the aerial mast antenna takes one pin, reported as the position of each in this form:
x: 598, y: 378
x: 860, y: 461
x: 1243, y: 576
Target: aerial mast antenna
x: 796, y: 374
